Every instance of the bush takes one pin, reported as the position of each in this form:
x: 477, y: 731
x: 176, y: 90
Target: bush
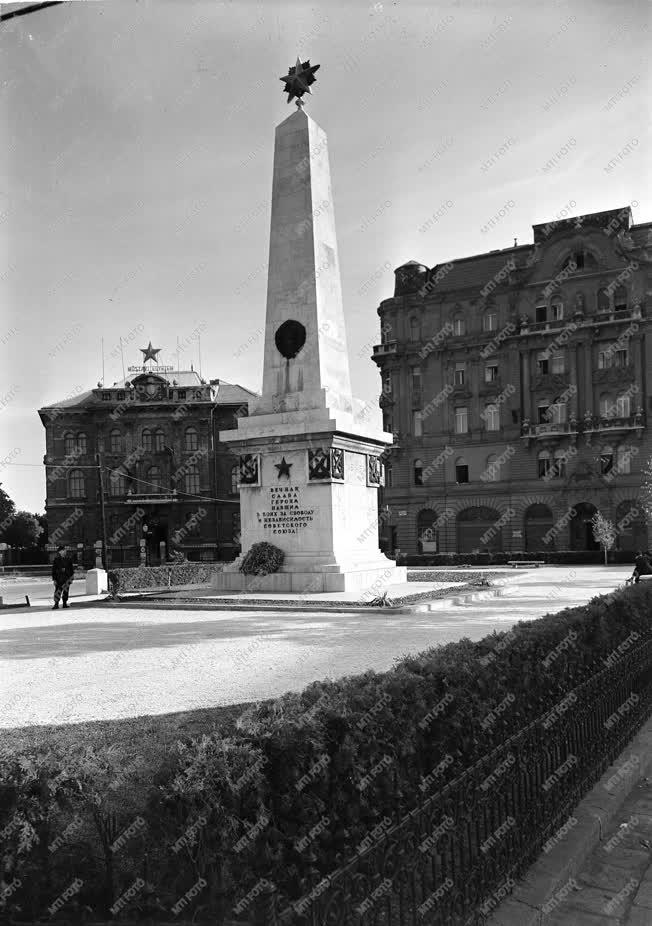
x: 241, y: 804
x: 131, y: 579
x: 499, y: 558
x: 262, y: 559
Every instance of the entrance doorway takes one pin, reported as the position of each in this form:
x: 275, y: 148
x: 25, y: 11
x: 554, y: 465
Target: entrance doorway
x: 156, y: 523
x: 581, y: 529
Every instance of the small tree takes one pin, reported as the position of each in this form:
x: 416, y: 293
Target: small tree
x: 604, y: 533
x: 24, y: 530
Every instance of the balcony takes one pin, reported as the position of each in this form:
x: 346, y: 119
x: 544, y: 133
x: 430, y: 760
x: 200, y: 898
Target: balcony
x: 151, y: 498
x: 384, y: 350
x: 548, y: 429
x: 613, y: 424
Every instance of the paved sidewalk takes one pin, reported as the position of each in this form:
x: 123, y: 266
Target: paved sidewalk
x: 614, y: 887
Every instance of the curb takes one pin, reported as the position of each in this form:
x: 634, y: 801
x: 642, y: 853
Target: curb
x: 552, y: 871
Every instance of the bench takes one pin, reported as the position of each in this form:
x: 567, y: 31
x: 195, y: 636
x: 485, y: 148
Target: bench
x: 525, y: 563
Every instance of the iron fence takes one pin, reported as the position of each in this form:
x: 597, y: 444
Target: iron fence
x: 450, y: 861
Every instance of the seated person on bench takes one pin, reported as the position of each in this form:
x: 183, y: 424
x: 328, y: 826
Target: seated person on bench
x: 642, y: 566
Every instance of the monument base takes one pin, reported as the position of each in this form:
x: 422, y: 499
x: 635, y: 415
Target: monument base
x: 369, y: 580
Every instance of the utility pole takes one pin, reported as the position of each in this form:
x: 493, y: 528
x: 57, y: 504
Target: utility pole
x: 105, y: 553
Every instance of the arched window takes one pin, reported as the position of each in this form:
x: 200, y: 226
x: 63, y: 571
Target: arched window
x: 69, y: 443
x: 545, y: 463
x: 620, y: 299
x: 491, y: 470
x: 389, y: 475
x: 415, y: 329
x: 159, y: 440
x: 147, y: 439
x: 623, y: 406
x: 459, y: 325
x: 154, y: 480
x: 490, y: 321
x: 560, y: 463
x: 556, y: 309
x: 418, y: 473
x: 606, y: 460
x: 82, y: 444
x: 117, y: 482
x: 192, y: 480
x: 115, y: 441
x: 607, y: 406
x: 77, y: 484
x: 192, y: 439
x: 603, y: 300
x: 461, y: 471
x: 235, y: 479
x: 492, y: 417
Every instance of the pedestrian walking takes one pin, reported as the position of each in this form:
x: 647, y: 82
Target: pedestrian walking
x: 63, y: 572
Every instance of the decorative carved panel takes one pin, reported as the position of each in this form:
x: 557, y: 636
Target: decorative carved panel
x: 373, y: 470
x: 250, y: 469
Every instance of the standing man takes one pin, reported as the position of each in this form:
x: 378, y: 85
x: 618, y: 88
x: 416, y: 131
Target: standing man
x: 63, y: 571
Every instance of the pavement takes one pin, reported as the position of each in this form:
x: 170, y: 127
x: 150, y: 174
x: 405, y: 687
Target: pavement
x: 105, y: 662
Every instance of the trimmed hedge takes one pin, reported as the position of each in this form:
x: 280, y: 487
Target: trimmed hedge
x: 553, y: 557
x: 243, y: 803
x: 132, y: 579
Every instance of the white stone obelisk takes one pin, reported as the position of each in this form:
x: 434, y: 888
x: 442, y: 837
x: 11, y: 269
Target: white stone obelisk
x: 309, y: 453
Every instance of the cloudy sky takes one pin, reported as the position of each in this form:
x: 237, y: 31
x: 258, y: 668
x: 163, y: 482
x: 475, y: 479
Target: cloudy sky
x: 135, y: 193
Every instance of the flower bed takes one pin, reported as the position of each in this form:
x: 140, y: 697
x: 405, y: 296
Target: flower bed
x: 141, y: 577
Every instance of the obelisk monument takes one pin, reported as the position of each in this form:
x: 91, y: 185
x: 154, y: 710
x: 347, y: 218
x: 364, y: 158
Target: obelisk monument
x: 310, y: 464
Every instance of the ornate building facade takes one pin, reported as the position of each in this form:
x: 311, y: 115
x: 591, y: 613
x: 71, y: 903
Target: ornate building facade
x: 168, y: 484
x: 518, y: 384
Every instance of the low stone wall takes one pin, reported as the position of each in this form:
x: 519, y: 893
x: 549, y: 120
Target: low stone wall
x: 143, y: 577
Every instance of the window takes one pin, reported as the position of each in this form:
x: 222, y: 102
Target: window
x: 106, y: 396
x: 461, y: 420
x: 544, y: 463
x: 623, y: 406
x: 154, y: 480
x: 557, y: 412
x: 604, y: 359
x: 82, y: 443
x: 492, y: 417
x: 416, y: 384
x: 460, y: 373
x: 577, y: 258
x: 147, y: 439
x: 490, y: 321
x: 389, y: 475
x: 603, y: 300
x: 607, y: 407
x: 558, y: 363
x: 415, y: 329
x: 77, y: 484
x: 235, y: 479
x: 418, y: 473
x: 459, y: 326
x: 606, y: 460
x: 492, y: 468
x: 388, y: 424
x: 417, y: 424
x: 181, y: 394
x: 560, y: 463
x: 620, y: 299
x: 461, y: 471
x: 543, y: 415
x: 556, y: 310
x: 543, y: 363
x: 191, y: 526
x: 541, y: 313
x: 621, y: 357
x: 624, y: 459
x: 120, y: 396
x: 69, y: 443
x: 117, y: 482
x: 491, y: 373
x: 192, y: 480
x: 159, y: 440
x: 192, y: 439
x: 115, y: 441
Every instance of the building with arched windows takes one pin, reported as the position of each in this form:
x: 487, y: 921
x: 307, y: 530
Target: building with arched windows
x: 156, y: 434
x: 518, y: 385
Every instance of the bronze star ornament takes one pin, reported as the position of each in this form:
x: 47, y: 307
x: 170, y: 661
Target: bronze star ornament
x: 298, y: 80
x: 283, y: 468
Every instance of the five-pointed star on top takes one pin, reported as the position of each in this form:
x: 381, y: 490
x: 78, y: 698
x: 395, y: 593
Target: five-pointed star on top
x: 149, y: 353
x: 299, y: 78
x: 283, y: 468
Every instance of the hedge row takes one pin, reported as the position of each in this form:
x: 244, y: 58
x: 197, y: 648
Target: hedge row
x: 297, y: 784
x: 131, y: 579
x: 566, y: 557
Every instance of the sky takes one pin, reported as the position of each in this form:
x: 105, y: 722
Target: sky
x: 136, y: 178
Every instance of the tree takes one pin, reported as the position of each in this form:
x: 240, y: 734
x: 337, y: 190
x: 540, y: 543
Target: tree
x: 7, y: 509
x: 23, y: 531
x: 604, y: 533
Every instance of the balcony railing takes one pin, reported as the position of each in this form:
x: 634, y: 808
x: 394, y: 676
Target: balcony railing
x: 151, y: 498
x: 382, y: 350
x: 587, y: 426
x: 614, y: 423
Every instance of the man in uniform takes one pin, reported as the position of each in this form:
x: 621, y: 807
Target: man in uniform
x: 63, y: 571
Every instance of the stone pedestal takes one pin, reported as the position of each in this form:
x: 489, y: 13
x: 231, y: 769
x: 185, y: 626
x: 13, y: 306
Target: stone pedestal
x: 96, y: 582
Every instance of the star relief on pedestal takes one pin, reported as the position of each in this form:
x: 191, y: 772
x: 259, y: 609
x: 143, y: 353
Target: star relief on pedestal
x: 298, y: 80
x: 150, y: 353
x: 283, y: 468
